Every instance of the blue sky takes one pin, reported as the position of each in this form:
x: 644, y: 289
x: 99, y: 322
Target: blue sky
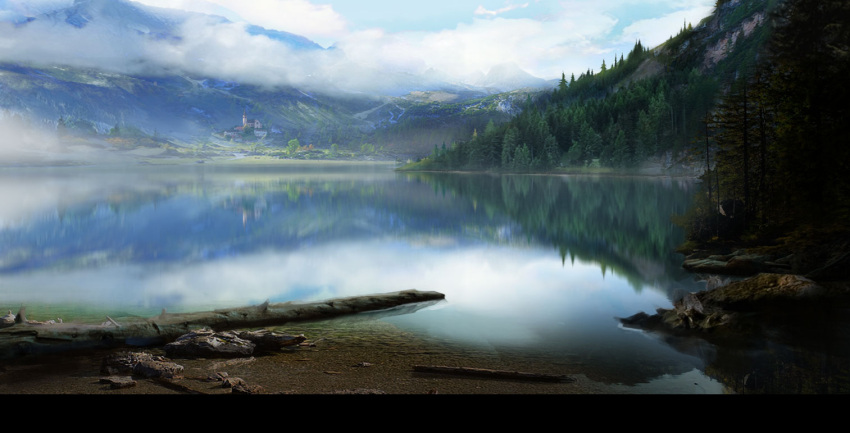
x: 460, y: 37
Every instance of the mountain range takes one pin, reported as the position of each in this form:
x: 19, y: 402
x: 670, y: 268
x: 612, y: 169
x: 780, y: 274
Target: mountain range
x: 94, y: 65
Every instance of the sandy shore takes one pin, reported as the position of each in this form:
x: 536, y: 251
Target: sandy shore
x: 359, y: 357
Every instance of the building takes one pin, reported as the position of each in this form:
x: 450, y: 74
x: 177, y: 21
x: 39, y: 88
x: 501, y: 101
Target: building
x: 236, y: 133
x: 253, y: 123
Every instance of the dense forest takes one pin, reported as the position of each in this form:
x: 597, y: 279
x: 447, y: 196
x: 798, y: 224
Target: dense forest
x: 778, y: 136
x: 764, y: 123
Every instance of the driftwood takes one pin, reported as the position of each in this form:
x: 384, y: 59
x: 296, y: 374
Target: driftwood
x: 27, y: 337
x: 494, y: 374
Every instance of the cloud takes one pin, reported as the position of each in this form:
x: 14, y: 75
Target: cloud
x: 481, y: 10
x: 571, y: 36
x: 542, y: 47
x: 318, y: 22
x: 655, y: 31
x: 92, y: 46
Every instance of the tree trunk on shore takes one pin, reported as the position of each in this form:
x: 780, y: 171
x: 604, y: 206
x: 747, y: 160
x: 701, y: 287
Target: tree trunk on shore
x: 29, y: 338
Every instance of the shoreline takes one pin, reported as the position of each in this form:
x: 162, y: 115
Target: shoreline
x: 364, y: 357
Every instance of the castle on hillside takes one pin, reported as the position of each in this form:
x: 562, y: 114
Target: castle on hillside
x: 255, y: 123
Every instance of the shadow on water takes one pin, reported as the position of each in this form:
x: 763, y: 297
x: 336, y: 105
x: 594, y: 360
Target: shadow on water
x: 806, y: 352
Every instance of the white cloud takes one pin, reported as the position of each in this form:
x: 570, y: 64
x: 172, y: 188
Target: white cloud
x: 655, y: 31
x: 318, y: 22
x: 572, y: 37
x: 481, y: 10
x: 540, y: 47
x: 92, y: 46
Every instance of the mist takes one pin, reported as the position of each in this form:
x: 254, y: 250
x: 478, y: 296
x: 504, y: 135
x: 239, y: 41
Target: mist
x: 21, y: 143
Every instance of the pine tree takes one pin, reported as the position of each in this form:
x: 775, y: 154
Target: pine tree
x: 509, y: 144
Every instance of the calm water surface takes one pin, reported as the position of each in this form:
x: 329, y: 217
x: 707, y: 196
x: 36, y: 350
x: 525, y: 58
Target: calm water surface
x: 540, y: 263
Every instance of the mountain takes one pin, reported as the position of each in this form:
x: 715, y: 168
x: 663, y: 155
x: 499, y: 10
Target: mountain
x: 94, y: 66
x: 647, y: 108
x: 117, y: 17
x: 508, y: 76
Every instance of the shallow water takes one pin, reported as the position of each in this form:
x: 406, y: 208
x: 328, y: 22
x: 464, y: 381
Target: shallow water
x: 539, y: 264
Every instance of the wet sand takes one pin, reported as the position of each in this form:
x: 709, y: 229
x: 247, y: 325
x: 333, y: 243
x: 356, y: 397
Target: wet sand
x: 369, y: 357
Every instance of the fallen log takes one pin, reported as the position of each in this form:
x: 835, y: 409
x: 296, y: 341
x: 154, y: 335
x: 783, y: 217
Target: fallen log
x: 495, y: 374
x: 27, y: 337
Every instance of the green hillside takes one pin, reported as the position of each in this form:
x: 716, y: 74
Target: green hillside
x: 647, y: 104
x: 751, y: 97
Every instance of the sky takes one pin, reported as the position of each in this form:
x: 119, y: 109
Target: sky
x: 458, y: 40
x: 543, y: 37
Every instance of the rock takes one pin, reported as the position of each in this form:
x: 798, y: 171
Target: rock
x: 239, y: 386
x: 156, y: 368
x: 118, y: 382
x: 360, y: 391
x: 205, y: 343
x: 762, y: 291
x: 735, y: 302
x: 738, y: 263
x: 244, y: 388
x: 140, y: 364
x: 217, y: 377
x: 270, y: 340
x: 230, y: 382
x: 7, y: 320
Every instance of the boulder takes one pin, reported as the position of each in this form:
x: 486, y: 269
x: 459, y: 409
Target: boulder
x: 140, y: 364
x: 206, y: 343
x: 738, y: 263
x: 736, y: 303
x: 270, y: 340
x: 118, y: 382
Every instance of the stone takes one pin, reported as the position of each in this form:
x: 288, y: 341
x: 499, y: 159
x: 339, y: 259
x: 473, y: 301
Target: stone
x: 244, y: 388
x: 7, y: 320
x: 140, y: 364
x: 732, y: 304
x: 155, y: 368
x: 205, y: 343
x: 230, y: 382
x: 118, y: 382
x: 270, y: 340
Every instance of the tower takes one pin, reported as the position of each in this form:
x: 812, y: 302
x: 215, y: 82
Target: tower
x: 244, y: 118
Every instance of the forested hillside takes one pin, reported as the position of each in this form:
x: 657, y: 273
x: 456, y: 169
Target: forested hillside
x: 644, y: 104
x: 776, y: 145
x: 752, y: 95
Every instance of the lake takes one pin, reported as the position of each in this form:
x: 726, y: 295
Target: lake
x: 542, y: 264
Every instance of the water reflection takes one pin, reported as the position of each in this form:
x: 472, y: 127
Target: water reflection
x: 541, y: 263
